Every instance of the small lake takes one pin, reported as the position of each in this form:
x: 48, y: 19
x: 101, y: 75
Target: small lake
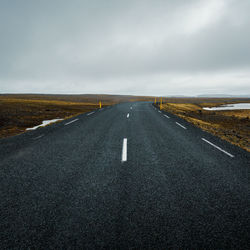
x: 231, y: 107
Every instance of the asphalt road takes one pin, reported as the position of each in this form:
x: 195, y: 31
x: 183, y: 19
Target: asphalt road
x: 124, y: 177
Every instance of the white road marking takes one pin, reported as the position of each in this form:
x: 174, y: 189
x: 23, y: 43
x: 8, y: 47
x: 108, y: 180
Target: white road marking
x: 180, y: 125
x: 166, y: 116
x: 71, y: 122
x: 159, y: 111
x: 91, y: 113
x: 225, y: 152
x: 38, y: 137
x: 124, y: 150
x: 131, y: 108
x: 128, y: 115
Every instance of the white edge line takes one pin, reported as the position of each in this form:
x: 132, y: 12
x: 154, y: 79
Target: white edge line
x: 124, y: 150
x: 222, y: 150
x: 91, y: 113
x: 159, y: 111
x: 38, y: 137
x: 70, y: 122
x: 180, y: 125
x: 166, y: 116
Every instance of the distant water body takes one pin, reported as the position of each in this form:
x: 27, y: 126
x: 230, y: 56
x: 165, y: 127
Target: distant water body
x: 231, y: 107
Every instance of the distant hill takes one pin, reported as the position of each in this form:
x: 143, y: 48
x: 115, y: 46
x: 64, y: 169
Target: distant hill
x: 224, y: 96
x: 90, y: 98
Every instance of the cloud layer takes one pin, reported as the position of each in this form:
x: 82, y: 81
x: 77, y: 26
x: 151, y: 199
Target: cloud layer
x: 142, y: 47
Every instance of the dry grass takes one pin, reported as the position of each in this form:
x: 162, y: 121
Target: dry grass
x: 21, y: 111
x: 231, y: 125
x: 106, y: 99
x: 18, y: 114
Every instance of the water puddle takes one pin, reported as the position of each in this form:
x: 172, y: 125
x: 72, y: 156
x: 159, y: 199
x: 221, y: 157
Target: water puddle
x: 230, y: 107
x: 46, y: 122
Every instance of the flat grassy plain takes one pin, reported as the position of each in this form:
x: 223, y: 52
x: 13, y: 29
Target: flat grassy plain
x: 230, y: 125
x: 21, y: 111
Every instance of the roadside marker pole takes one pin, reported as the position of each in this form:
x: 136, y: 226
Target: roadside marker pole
x: 161, y: 104
x: 100, y: 104
x: 155, y: 100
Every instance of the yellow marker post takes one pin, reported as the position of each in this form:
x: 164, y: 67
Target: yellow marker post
x: 155, y: 100
x: 100, y: 104
x: 161, y: 104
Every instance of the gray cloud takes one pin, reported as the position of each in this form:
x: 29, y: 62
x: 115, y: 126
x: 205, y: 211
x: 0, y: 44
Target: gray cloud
x: 127, y: 47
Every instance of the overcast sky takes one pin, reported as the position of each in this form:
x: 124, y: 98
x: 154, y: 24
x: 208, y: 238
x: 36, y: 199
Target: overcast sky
x: 147, y: 47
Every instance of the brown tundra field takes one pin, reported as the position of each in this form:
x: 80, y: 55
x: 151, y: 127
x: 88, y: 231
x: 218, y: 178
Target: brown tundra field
x: 21, y: 111
x: 230, y: 125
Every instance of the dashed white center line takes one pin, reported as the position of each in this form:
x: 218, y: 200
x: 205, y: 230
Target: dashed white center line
x: 91, y: 113
x: 222, y: 150
x: 180, y: 125
x: 131, y: 108
x: 71, y: 122
x: 166, y: 116
x: 128, y: 115
x: 124, y: 150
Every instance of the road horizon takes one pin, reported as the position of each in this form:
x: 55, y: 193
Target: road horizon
x: 124, y: 176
